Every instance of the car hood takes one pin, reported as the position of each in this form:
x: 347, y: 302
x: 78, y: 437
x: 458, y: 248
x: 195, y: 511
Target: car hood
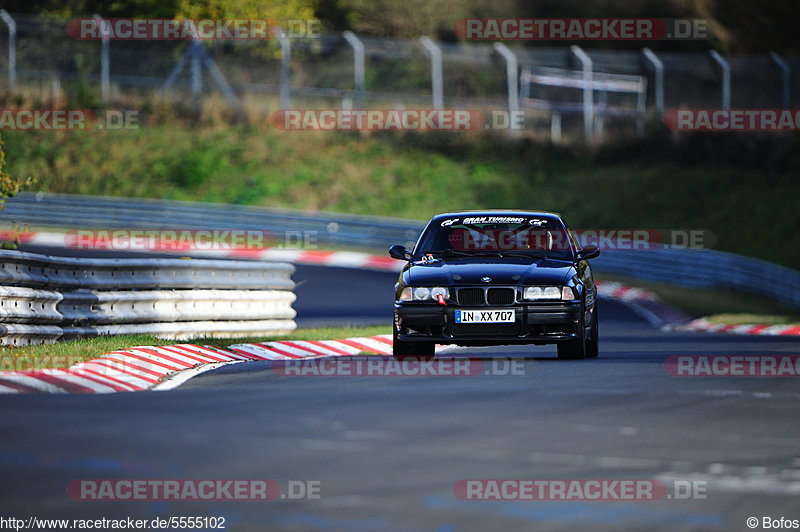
x: 507, y: 271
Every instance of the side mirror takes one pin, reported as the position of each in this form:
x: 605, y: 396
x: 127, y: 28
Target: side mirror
x: 399, y: 252
x: 589, y: 252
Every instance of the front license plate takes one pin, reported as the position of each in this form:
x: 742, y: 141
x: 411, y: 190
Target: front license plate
x: 485, y: 316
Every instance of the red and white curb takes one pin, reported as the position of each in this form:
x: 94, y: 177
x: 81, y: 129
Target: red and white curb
x: 643, y: 302
x: 165, y: 367
x: 703, y: 325
x: 648, y: 305
x: 620, y: 292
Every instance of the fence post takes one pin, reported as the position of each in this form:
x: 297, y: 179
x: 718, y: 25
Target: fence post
x: 286, y: 58
x: 787, y: 72
x: 641, y: 106
x: 658, y: 67
x: 12, y: 48
x: 173, y: 75
x: 524, y: 83
x: 226, y: 89
x: 437, y: 80
x: 588, y: 93
x: 512, y: 80
x: 105, y: 81
x: 196, y: 76
x: 726, y: 78
x: 358, y: 66
x: 555, y: 127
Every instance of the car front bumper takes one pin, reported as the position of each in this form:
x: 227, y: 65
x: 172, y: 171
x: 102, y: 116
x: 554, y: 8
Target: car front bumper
x: 534, y: 324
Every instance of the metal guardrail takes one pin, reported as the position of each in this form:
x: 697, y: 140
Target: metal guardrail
x: 687, y: 267
x: 32, y: 270
x: 21, y: 305
x: 706, y: 269
x: 44, y: 298
x: 329, y: 230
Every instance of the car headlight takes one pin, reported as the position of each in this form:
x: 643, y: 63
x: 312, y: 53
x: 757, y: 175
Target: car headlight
x: 438, y: 291
x: 535, y: 293
x: 423, y: 293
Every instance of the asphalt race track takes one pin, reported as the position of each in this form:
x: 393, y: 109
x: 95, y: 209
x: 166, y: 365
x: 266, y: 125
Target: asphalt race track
x: 387, y: 450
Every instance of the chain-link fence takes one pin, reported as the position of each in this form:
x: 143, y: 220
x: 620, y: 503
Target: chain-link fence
x: 567, y: 93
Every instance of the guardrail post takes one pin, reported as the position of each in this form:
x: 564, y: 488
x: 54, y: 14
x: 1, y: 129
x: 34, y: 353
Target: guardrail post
x: 12, y: 48
x: 358, y: 66
x: 787, y: 72
x: 105, y: 78
x: 286, y: 58
x: 588, y: 93
x: 437, y: 79
x: 512, y: 81
x: 658, y: 67
x: 726, y: 78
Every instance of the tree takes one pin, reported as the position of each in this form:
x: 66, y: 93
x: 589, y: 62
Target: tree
x: 745, y: 26
x: 274, y: 10
x: 407, y: 18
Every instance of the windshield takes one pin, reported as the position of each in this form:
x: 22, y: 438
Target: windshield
x: 496, y: 236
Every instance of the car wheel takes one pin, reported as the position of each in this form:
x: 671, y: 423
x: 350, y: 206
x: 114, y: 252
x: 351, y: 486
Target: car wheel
x: 573, y: 349
x: 418, y: 350
x: 592, y: 347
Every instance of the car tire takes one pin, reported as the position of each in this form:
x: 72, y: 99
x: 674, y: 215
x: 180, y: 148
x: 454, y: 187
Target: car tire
x: 412, y: 350
x: 573, y: 349
x: 592, y: 344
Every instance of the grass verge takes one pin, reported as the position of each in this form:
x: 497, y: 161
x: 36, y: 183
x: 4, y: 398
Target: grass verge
x: 753, y: 319
x: 65, y: 354
x: 736, y: 188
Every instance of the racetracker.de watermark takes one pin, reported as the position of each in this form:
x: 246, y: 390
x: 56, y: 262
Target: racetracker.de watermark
x: 149, y: 29
x: 192, y: 490
x: 381, y: 366
x: 378, y: 120
x: 526, y: 238
x: 67, y: 119
x: 732, y: 119
x: 598, y: 489
x: 176, y: 240
x: 33, y: 364
x: 580, y: 29
x: 733, y: 365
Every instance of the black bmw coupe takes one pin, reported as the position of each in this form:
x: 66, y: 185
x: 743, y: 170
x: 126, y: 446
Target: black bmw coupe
x: 493, y: 278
